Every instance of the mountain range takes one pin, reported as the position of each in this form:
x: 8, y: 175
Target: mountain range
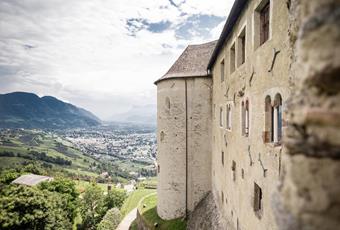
x: 27, y: 110
x: 143, y: 114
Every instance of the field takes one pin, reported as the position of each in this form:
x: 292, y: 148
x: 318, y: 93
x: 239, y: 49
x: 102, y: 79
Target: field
x: 81, y: 185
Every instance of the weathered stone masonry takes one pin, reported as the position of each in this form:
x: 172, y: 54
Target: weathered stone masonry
x: 184, y: 133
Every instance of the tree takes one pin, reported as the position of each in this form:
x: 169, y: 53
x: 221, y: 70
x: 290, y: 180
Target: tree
x: 23, y: 207
x: 7, y: 176
x: 34, y: 168
x: 115, y: 199
x: 67, y: 189
x: 111, y: 220
x: 92, y: 207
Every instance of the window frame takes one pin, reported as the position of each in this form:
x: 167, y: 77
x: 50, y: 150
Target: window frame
x: 258, y: 40
x: 241, y: 47
x: 264, y: 14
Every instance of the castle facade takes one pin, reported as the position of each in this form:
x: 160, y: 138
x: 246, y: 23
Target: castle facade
x: 221, y: 118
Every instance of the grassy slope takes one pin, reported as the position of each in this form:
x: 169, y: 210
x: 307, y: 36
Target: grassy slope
x: 81, y: 185
x: 43, y: 142
x: 147, y: 208
x: 132, y: 201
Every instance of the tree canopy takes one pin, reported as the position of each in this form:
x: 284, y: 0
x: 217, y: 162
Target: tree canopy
x: 24, y: 207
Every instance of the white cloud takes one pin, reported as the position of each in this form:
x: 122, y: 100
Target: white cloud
x: 82, y: 50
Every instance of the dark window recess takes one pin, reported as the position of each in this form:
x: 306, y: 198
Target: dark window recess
x: 233, y: 168
x: 242, y: 40
x: 222, y: 71
x: 243, y: 43
x: 222, y: 197
x: 232, y: 58
x: 158, y: 168
x: 257, y: 200
x: 264, y: 23
x: 246, y: 131
x: 222, y: 158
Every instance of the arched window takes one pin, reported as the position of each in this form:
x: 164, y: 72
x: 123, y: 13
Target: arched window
x: 268, y: 120
x: 277, y: 118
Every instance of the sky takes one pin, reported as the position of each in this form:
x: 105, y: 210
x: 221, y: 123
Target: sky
x: 101, y: 55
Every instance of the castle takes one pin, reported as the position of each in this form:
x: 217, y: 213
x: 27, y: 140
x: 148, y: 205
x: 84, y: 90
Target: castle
x: 222, y: 115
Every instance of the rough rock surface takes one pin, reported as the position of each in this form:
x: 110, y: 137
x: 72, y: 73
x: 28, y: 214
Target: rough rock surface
x: 309, y: 195
x: 206, y: 216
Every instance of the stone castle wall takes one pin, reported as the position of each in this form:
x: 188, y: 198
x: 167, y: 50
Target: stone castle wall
x: 183, y: 136
x: 298, y: 176
x: 247, y: 158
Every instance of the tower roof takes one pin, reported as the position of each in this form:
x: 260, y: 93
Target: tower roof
x: 193, y: 62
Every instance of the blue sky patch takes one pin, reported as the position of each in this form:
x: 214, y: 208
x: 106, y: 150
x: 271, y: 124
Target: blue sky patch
x: 198, y: 25
x: 135, y: 25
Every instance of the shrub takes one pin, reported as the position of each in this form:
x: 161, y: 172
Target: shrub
x: 111, y: 220
x: 115, y: 198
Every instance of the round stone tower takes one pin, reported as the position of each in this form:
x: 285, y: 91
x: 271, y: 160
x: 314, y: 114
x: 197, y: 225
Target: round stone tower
x: 184, y: 115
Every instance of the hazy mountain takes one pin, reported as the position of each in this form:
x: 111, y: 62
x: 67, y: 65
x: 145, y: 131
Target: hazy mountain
x: 27, y: 110
x: 146, y: 114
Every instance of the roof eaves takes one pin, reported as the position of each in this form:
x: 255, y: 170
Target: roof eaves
x: 177, y: 76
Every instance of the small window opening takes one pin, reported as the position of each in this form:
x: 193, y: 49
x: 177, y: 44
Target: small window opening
x: 277, y: 119
x: 242, y: 118
x: 233, y: 168
x: 242, y: 47
x: 245, y: 118
x: 222, y: 70
x: 268, y: 130
x: 222, y: 158
x: 264, y: 23
x: 162, y: 135
x: 258, y: 206
x: 232, y: 58
x: 229, y: 117
x: 167, y: 103
x: 222, y: 197
x: 221, y: 117
x: 242, y: 173
x: 158, y: 168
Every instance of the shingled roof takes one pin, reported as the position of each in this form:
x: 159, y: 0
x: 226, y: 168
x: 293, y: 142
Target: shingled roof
x: 31, y: 179
x: 193, y: 62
